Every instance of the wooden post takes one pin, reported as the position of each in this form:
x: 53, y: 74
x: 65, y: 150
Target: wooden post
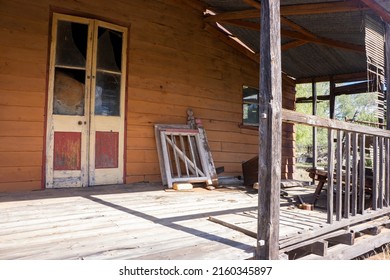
x: 375, y: 172
x: 362, y: 175
x: 387, y: 171
x: 332, y: 99
x: 270, y: 132
x: 387, y: 64
x: 329, y: 201
x: 355, y: 171
x: 314, y: 104
x: 347, y: 197
x: 339, y: 170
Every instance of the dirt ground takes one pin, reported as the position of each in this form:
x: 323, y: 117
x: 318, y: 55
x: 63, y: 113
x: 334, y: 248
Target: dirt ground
x: 382, y: 254
x: 300, y: 172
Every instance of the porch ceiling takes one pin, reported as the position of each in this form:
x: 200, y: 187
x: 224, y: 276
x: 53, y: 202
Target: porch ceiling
x: 320, y: 38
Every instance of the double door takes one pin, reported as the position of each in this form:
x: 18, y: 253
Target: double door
x: 85, y: 117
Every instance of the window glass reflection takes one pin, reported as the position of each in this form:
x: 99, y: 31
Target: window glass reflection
x: 107, y: 94
x: 69, y: 92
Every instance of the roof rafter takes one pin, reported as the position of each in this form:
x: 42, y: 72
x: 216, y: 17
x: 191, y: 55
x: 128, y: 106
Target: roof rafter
x: 293, y: 44
x: 300, y: 36
x: 323, y: 41
x: 289, y: 10
x: 229, y: 40
x: 283, y: 19
x: 336, y: 78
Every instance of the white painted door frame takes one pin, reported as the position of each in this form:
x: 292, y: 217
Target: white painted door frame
x: 84, y: 129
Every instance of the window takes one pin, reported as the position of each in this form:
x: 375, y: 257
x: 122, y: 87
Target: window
x: 250, y: 105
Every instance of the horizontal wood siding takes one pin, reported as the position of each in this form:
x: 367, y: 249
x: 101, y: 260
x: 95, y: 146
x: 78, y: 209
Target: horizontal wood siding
x: 23, y: 65
x: 288, y: 137
x: 173, y: 64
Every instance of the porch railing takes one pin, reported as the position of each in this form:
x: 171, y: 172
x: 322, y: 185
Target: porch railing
x: 358, y: 184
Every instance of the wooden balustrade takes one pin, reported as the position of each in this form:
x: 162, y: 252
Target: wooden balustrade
x: 358, y: 184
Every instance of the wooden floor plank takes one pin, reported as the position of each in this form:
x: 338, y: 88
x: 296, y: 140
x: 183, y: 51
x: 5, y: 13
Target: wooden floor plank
x: 138, y: 221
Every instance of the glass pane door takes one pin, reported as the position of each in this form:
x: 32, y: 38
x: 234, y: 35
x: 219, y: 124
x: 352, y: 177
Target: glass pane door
x: 107, y: 120
x: 70, y: 68
x: 108, y: 72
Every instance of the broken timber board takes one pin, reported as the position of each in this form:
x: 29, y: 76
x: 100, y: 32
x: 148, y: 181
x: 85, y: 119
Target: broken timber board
x: 289, y: 183
x: 196, y: 123
x: 207, y: 155
x: 233, y: 226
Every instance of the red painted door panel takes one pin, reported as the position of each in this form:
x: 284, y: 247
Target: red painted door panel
x: 106, y: 149
x: 67, y: 151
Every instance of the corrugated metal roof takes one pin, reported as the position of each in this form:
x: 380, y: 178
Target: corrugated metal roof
x: 311, y: 60
x: 347, y: 28
x: 318, y: 60
x: 385, y: 4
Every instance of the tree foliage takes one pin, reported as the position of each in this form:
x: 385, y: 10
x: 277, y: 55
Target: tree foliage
x: 356, y: 107
x: 304, y: 133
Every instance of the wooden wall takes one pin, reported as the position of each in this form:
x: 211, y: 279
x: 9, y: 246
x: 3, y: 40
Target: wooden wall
x: 173, y: 65
x: 23, y: 65
x: 288, y: 138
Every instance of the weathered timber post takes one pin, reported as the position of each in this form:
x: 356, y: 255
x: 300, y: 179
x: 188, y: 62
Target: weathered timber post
x: 270, y: 132
x: 387, y: 64
x: 332, y: 98
x: 314, y: 111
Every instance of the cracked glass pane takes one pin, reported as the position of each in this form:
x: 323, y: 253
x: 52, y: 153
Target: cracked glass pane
x: 71, y: 44
x: 109, y: 52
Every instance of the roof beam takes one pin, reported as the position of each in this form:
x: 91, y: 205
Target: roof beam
x: 229, y: 40
x: 289, y: 10
x: 378, y: 9
x: 293, y: 44
x: 338, y: 91
x: 243, y: 23
x: 283, y: 19
x: 336, y: 78
x: 323, y: 41
x: 297, y: 27
x: 307, y: 36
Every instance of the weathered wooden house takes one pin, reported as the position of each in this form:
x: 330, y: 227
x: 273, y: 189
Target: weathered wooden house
x: 82, y: 84
x: 158, y: 64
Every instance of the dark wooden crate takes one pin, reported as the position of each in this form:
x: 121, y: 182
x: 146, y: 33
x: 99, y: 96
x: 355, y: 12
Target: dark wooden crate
x: 250, y: 171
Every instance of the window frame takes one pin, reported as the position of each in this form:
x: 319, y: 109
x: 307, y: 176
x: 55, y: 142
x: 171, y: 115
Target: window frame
x: 244, y: 122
